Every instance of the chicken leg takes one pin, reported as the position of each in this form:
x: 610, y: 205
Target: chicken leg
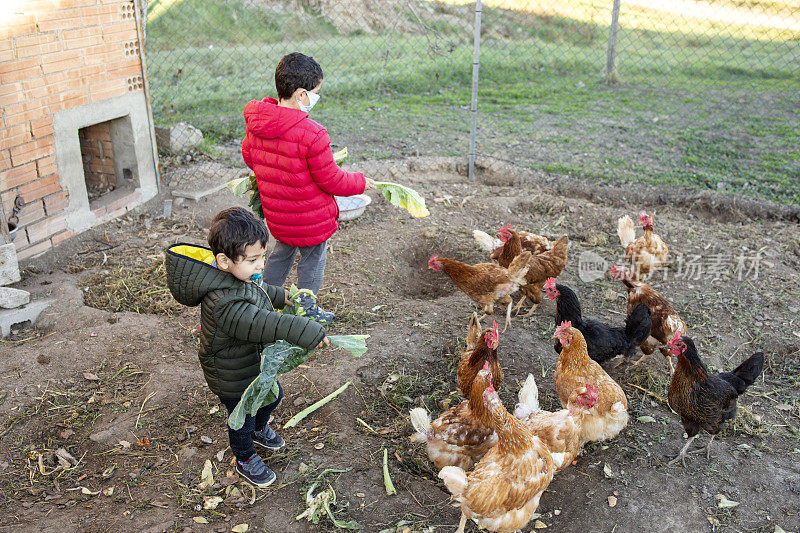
x: 682, y: 455
x: 508, y: 316
x: 462, y: 524
x: 519, y: 305
x: 706, y: 448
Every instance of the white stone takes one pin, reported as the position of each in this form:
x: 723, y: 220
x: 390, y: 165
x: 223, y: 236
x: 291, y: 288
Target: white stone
x: 183, y: 137
x: 9, y: 267
x: 13, y: 298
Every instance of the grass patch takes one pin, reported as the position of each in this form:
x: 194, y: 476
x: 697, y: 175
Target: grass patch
x: 749, y: 423
x: 141, y: 288
x: 713, y: 103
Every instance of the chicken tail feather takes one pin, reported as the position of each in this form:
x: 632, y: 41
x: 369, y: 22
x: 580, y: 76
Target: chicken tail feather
x: 626, y: 230
x: 421, y: 421
x: 746, y: 373
x: 455, y: 479
x: 528, y: 398
x: 637, y: 325
x: 518, y: 268
x: 486, y: 241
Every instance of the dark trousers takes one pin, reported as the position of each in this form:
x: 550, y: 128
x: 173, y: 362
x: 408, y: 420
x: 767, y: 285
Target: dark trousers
x: 242, y: 439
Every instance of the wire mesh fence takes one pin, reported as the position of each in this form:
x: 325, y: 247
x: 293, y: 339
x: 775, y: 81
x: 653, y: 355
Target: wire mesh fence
x: 703, y: 92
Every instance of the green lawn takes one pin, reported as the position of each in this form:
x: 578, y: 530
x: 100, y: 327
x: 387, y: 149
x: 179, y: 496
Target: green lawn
x: 714, y: 102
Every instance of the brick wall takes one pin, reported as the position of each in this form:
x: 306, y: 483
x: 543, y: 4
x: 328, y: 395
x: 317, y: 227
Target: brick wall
x: 55, y: 55
x: 98, y: 159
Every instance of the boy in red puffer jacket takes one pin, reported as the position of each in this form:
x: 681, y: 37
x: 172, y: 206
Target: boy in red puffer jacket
x: 297, y: 177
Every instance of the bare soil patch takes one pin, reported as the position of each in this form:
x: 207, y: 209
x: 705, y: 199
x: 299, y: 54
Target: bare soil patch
x: 89, y: 381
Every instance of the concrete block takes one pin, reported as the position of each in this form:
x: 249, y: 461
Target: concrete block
x: 28, y: 313
x: 9, y: 267
x: 13, y: 298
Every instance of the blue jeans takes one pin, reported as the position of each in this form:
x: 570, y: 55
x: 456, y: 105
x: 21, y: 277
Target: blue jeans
x: 310, y: 268
x: 242, y: 439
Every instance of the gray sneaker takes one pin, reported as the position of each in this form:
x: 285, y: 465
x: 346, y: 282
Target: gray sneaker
x: 255, y: 471
x: 267, y: 438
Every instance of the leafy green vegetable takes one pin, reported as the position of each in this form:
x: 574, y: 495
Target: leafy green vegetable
x: 340, y: 156
x: 244, y: 186
x: 276, y: 359
x: 316, y: 405
x: 355, y: 344
x: 240, y: 186
x: 387, y: 479
x: 324, y: 501
x: 281, y: 357
x: 403, y: 197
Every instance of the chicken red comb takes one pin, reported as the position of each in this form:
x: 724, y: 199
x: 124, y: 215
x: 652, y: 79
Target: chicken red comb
x: 433, y: 262
x: 504, y: 232
x: 562, y: 334
x: 589, y: 398
x: 550, y: 289
x: 616, y: 272
x: 492, y: 337
x: 560, y: 330
x: 676, y: 344
x: 486, y: 366
x: 645, y: 219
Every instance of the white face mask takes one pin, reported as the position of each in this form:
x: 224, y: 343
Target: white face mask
x: 313, y: 98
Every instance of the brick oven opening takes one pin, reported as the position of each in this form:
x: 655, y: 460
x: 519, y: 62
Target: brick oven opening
x: 109, y: 161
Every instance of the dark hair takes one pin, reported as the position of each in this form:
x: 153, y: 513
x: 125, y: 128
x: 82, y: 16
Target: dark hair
x: 296, y: 71
x: 233, y: 229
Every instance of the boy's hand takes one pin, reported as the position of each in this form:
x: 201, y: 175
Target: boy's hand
x: 325, y: 342
x: 286, y: 298
x: 370, y: 184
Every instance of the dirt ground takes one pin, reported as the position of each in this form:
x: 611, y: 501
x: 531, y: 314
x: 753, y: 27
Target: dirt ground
x: 118, y: 387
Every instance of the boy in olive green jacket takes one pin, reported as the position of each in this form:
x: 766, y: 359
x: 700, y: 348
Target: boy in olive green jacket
x: 238, y: 317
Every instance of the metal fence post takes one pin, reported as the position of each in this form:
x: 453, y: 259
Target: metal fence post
x: 476, y: 63
x: 611, y: 63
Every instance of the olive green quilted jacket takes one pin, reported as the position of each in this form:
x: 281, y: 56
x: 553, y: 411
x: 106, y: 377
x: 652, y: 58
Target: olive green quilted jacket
x: 237, y: 318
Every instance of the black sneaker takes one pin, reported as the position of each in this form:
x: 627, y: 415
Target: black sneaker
x: 255, y: 471
x: 267, y: 438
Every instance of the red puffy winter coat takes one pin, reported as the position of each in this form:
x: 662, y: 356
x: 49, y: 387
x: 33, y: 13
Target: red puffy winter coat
x: 296, y: 175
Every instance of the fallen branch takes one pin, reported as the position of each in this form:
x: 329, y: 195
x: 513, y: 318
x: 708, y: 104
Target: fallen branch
x: 653, y: 394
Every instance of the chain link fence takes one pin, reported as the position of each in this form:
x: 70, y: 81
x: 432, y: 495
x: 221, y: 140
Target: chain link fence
x: 701, y: 92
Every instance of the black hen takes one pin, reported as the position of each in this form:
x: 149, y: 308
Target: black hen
x: 602, y: 341
x: 703, y: 400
